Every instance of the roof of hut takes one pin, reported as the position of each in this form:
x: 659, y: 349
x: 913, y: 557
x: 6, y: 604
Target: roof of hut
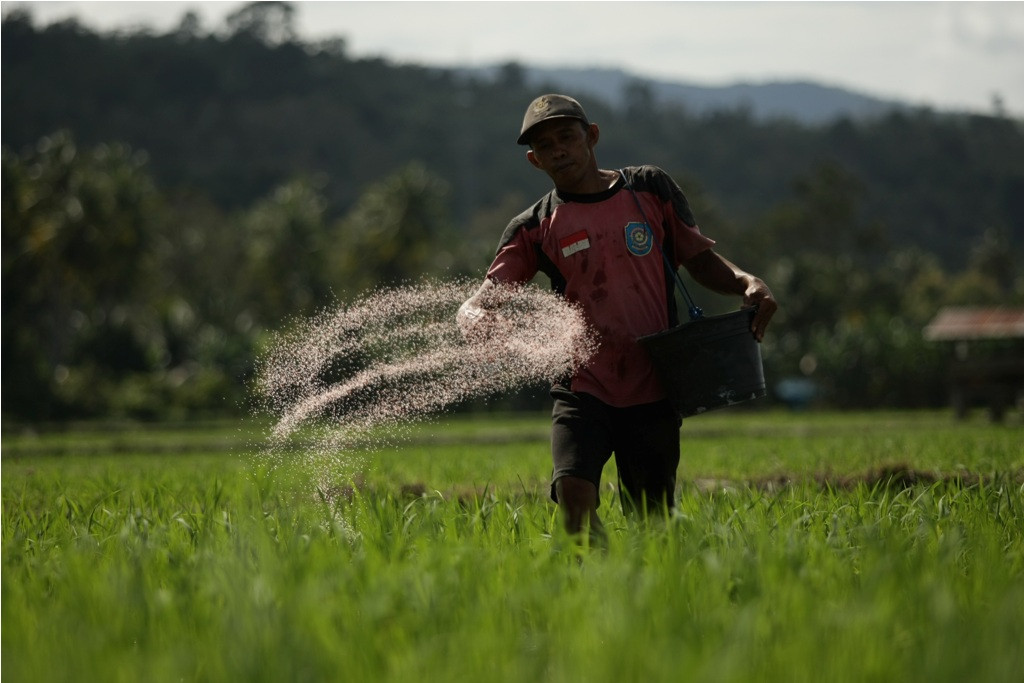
x: 962, y: 323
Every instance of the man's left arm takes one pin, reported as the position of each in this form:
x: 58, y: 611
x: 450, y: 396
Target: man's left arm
x: 714, y: 271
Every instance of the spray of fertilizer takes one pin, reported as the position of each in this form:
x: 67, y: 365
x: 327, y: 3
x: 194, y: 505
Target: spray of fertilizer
x: 360, y: 375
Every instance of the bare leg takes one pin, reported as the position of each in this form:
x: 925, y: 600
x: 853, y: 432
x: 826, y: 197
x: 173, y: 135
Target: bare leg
x: 578, y: 500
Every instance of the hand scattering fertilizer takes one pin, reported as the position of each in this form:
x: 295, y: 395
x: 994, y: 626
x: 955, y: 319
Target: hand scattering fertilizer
x: 360, y: 373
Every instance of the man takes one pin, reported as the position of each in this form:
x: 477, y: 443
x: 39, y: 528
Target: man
x: 588, y: 236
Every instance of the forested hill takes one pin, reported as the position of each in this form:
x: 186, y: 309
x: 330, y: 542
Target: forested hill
x: 233, y: 115
x: 800, y: 101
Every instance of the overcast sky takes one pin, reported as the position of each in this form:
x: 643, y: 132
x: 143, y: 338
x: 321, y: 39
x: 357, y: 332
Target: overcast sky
x: 954, y: 55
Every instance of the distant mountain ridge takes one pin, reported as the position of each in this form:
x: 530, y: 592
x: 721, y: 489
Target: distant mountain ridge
x: 806, y: 102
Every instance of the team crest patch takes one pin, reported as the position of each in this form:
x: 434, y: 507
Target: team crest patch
x: 578, y: 241
x: 638, y: 239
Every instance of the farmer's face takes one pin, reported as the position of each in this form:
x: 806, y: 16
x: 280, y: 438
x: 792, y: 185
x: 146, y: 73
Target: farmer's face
x: 564, y: 149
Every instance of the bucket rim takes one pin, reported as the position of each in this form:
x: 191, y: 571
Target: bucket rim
x: 708, y: 319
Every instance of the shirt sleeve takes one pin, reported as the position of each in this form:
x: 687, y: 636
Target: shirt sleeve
x: 687, y: 239
x: 516, y: 260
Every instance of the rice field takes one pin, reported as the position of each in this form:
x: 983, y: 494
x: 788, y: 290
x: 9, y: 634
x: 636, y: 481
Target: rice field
x: 805, y: 547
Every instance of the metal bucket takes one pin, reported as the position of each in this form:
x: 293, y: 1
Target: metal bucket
x: 708, y: 363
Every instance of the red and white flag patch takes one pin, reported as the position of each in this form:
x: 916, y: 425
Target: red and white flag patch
x: 578, y: 241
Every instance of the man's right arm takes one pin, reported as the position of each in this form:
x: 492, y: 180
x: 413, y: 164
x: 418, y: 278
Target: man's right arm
x: 515, y: 263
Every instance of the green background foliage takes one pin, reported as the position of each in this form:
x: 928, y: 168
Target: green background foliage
x: 170, y: 199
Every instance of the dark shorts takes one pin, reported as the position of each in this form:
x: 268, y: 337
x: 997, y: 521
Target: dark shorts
x: 585, y: 432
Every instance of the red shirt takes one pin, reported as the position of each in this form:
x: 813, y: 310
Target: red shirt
x: 597, y: 253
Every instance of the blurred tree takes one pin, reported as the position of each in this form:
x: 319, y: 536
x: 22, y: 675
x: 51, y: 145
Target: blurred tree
x: 287, y: 258
x: 820, y: 251
x: 76, y: 229
x: 398, y: 231
x: 844, y: 293
x: 824, y: 215
x: 640, y: 105
x: 209, y: 321
x: 917, y: 277
x: 995, y: 256
x: 512, y: 75
x: 269, y: 22
x: 190, y: 27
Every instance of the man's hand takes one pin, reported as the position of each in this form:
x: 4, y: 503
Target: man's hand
x: 718, y: 274
x: 477, y: 319
x: 759, y: 295
x: 469, y: 319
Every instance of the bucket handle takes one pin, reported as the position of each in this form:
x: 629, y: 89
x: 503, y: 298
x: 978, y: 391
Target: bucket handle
x: 695, y: 311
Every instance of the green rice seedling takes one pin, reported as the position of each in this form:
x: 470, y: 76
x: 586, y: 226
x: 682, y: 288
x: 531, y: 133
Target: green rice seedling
x: 840, y: 548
